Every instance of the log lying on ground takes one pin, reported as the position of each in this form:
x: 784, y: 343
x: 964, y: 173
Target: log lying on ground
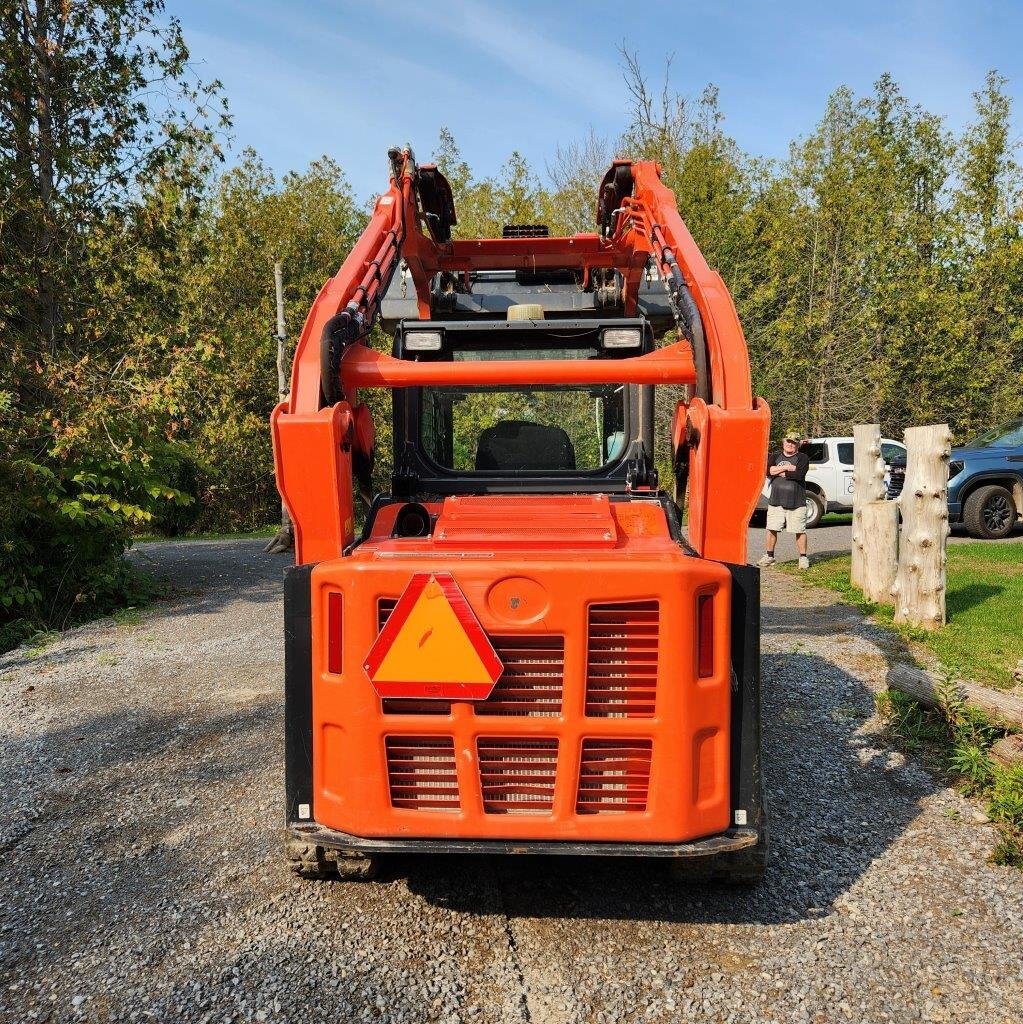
x: 283, y: 540
x: 1004, y: 708
x: 1008, y: 750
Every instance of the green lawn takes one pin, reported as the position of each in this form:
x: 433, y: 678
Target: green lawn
x: 837, y: 519
x: 984, y: 636
x: 151, y: 538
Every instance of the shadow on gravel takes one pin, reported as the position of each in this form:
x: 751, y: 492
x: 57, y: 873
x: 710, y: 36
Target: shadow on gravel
x: 206, y: 576
x: 127, y: 806
x: 835, y: 804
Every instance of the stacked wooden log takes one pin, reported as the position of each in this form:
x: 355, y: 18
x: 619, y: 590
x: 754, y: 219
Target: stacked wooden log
x: 907, y: 569
x: 868, y: 489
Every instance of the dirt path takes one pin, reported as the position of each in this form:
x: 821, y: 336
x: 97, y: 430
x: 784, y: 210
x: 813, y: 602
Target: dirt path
x: 142, y: 880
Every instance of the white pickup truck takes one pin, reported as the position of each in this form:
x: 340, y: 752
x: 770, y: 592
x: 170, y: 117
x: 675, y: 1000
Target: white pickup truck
x: 829, y: 480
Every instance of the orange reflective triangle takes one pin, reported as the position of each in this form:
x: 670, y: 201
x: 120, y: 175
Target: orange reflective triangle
x: 433, y: 646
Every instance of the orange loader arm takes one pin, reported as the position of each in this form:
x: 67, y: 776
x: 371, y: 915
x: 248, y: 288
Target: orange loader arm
x: 720, y: 433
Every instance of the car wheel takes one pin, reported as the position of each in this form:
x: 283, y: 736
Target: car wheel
x: 990, y: 512
x: 814, y: 509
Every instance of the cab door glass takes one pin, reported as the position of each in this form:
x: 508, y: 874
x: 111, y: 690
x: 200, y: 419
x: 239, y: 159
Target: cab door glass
x: 890, y: 452
x: 845, y: 468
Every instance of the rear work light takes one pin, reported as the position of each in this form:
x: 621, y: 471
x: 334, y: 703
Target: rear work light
x: 622, y: 337
x: 423, y: 341
x: 334, y: 633
x: 705, y: 636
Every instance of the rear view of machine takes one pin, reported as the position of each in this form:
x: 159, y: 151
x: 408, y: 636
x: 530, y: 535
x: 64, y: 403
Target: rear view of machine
x: 522, y: 650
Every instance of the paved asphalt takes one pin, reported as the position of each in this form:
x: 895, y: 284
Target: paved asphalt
x: 837, y: 539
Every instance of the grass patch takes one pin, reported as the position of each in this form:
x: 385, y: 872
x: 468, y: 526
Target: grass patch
x: 155, y: 538
x: 39, y: 641
x: 959, y: 737
x: 983, y: 639
x: 130, y: 616
x: 836, y: 519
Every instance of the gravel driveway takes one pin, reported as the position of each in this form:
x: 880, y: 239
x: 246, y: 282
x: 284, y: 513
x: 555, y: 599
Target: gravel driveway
x: 142, y: 878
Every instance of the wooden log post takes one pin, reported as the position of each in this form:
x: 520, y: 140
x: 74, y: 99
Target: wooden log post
x: 868, y: 485
x: 919, y: 588
x: 879, y: 524
x: 1003, y: 708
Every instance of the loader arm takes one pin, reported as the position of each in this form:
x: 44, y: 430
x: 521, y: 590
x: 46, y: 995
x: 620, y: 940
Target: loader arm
x: 719, y: 436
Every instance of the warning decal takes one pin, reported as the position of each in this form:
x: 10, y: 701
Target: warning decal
x: 432, y: 645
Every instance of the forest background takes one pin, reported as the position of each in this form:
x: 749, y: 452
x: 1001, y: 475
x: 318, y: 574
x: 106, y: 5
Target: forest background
x: 877, y: 270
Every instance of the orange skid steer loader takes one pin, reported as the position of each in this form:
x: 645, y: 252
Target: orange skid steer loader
x: 523, y: 650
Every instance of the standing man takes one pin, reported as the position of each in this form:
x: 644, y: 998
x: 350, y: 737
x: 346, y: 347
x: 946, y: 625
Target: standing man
x: 786, y: 508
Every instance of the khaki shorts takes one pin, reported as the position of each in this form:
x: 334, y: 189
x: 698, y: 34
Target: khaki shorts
x: 791, y: 519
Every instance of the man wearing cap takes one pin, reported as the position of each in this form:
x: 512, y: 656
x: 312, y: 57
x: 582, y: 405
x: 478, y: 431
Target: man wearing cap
x: 786, y: 507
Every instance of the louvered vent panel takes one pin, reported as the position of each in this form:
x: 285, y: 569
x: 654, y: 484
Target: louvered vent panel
x: 614, y: 776
x: 421, y: 772
x: 621, y: 660
x: 534, y: 673
x: 385, y: 605
x: 406, y: 705
x: 517, y: 776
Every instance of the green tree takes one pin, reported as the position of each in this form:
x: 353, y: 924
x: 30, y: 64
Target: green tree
x: 308, y: 221
x: 987, y: 212
x: 106, y: 139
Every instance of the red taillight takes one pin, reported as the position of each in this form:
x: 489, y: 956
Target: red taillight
x: 334, y: 633
x: 705, y: 636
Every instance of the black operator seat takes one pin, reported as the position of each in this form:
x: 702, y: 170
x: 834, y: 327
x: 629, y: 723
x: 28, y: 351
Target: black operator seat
x: 522, y: 445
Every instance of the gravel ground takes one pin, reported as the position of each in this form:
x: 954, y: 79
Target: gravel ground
x: 142, y: 878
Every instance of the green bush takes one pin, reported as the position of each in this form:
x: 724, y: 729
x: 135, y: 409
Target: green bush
x: 961, y: 737
x: 66, y: 526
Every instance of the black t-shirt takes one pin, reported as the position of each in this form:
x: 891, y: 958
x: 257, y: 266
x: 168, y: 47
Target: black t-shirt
x: 788, y: 488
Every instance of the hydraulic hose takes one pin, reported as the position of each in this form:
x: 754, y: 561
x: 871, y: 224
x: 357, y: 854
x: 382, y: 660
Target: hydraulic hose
x: 687, y: 315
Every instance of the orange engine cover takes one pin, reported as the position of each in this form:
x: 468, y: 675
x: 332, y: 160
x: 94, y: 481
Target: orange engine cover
x: 600, y: 727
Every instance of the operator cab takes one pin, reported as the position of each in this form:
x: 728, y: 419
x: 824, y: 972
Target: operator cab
x: 531, y: 438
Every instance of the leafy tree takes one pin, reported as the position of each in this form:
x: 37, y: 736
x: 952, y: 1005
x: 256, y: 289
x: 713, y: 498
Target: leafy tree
x: 106, y: 139
x: 308, y: 222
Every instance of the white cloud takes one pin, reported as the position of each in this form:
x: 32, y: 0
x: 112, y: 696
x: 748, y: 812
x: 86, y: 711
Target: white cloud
x: 529, y: 54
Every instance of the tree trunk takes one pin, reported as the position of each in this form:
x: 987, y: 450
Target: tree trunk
x: 868, y: 485
x: 919, y: 588
x: 284, y: 539
x: 879, y: 525
x: 1004, y: 708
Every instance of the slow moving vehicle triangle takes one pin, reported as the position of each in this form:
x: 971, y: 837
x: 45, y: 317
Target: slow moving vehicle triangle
x: 433, y: 646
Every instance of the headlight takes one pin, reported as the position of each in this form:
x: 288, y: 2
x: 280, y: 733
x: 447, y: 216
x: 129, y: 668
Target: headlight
x: 423, y: 341
x: 622, y: 337
x: 955, y: 467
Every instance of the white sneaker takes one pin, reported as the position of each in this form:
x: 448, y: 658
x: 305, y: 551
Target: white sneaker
x: 804, y: 562
x: 766, y: 560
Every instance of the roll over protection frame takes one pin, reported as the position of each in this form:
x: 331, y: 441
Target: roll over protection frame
x: 639, y: 224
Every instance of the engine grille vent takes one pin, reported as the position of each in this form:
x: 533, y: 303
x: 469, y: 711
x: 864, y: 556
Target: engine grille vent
x: 421, y: 772
x: 525, y: 231
x: 621, y: 660
x: 517, y: 776
x: 533, y: 677
x: 385, y: 605
x: 614, y: 776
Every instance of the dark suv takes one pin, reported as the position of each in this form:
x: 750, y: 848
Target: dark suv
x: 985, y: 482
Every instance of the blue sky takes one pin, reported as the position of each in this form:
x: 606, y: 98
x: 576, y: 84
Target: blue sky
x: 308, y: 77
